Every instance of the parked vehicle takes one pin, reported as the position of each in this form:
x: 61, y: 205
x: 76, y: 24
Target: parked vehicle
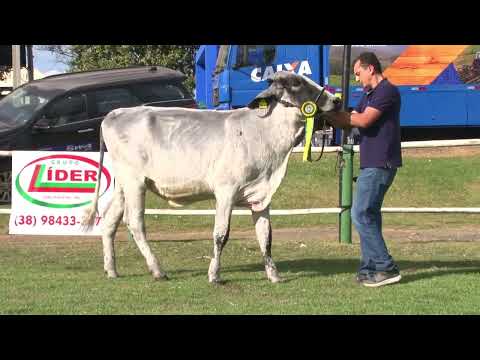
x: 64, y: 112
x: 230, y: 76
x: 4, y: 91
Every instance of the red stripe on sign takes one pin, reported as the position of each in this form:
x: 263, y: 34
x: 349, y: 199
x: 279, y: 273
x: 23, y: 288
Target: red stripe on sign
x: 31, y: 187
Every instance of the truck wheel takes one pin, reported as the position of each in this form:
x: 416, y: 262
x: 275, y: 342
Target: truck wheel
x: 5, y: 187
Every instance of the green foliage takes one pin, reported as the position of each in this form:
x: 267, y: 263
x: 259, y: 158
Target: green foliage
x: 336, y: 80
x: 90, y: 57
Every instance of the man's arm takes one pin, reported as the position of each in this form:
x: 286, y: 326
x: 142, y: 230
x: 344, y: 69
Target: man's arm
x: 345, y: 120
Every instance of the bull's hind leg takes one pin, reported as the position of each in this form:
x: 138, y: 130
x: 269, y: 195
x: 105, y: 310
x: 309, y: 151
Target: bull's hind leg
x: 110, y: 224
x: 263, y: 230
x: 220, y: 237
x: 135, y: 212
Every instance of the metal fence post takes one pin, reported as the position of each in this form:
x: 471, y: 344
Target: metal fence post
x: 346, y: 194
x: 346, y: 172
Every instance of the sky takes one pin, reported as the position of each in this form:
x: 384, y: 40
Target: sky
x: 46, y: 62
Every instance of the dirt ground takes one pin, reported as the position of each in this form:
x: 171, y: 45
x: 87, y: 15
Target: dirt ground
x: 325, y: 233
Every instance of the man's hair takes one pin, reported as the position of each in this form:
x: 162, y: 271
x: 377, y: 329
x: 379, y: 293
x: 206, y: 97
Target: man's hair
x: 369, y: 58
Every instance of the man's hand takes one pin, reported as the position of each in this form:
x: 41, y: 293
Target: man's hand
x: 346, y: 121
x: 340, y: 119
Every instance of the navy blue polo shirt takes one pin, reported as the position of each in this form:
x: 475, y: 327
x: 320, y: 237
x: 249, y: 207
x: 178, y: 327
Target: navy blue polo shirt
x: 380, y: 144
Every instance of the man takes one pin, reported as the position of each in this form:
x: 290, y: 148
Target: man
x: 377, y: 116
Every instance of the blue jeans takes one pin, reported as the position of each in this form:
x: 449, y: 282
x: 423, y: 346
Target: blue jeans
x: 372, y: 185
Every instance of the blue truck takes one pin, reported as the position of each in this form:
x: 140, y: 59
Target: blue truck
x: 439, y: 84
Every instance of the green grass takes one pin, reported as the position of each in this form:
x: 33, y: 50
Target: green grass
x: 63, y: 278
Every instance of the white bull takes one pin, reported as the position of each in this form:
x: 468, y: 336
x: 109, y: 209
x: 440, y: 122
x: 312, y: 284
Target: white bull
x: 238, y: 157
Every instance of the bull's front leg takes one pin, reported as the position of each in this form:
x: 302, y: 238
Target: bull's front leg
x: 263, y: 229
x: 220, y: 236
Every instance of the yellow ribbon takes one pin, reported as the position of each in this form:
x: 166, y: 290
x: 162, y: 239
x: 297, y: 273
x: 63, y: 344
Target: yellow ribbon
x: 308, y: 109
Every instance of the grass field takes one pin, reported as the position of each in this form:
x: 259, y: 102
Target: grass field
x: 67, y: 278
x: 439, y: 255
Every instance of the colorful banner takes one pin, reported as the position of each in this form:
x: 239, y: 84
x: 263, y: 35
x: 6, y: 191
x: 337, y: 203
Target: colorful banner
x: 417, y: 64
x: 52, y: 190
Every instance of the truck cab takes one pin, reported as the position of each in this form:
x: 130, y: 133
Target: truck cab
x: 230, y: 76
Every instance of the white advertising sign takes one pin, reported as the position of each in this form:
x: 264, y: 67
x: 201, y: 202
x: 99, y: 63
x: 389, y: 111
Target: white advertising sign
x: 51, y: 191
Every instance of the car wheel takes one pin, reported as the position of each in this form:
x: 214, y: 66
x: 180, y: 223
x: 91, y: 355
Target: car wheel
x: 5, y: 187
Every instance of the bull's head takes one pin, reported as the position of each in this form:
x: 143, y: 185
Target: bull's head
x: 294, y: 90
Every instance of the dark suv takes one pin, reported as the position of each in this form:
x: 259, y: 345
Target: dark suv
x: 64, y: 112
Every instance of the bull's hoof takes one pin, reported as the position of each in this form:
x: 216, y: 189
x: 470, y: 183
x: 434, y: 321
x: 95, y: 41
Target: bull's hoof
x: 217, y: 281
x: 160, y: 277
x: 273, y: 276
x: 276, y: 279
x: 111, y: 274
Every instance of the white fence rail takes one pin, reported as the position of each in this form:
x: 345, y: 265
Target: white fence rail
x: 405, y: 145
x: 458, y: 210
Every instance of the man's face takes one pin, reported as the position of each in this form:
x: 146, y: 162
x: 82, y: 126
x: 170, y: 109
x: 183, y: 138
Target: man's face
x: 363, y: 74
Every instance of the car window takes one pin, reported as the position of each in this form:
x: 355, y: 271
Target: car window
x: 222, y: 58
x: 20, y: 106
x: 160, y: 91
x: 67, y: 110
x: 107, y: 100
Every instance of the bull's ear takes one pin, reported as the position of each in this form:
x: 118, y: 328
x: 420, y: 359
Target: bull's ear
x: 262, y: 106
x: 267, y: 95
x: 261, y: 103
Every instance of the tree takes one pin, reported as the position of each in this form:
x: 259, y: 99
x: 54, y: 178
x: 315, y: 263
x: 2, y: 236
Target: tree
x: 90, y: 57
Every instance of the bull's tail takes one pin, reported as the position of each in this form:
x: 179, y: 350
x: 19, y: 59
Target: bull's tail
x: 90, y: 213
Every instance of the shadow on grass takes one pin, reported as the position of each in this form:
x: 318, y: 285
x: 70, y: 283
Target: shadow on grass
x: 410, y: 270
x: 314, y: 267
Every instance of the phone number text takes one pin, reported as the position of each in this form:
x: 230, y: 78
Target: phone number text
x: 49, y: 220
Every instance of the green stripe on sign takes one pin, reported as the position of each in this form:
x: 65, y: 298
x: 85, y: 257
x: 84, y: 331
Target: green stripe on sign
x: 66, y: 185
x: 44, y: 203
x: 40, y: 175
x: 39, y: 178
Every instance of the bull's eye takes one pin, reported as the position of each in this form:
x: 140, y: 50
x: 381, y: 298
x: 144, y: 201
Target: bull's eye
x: 296, y: 83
